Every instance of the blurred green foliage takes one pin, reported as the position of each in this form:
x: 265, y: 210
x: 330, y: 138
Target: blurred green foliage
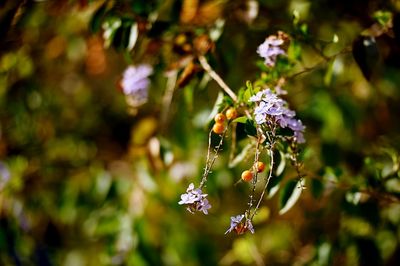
x: 92, y: 184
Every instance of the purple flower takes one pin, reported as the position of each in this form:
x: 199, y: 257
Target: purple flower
x: 270, y: 107
x: 269, y: 104
x: 195, y: 199
x: 257, y: 97
x: 239, y: 225
x: 295, y: 124
x: 270, y: 49
x: 299, y: 137
x: 135, y: 82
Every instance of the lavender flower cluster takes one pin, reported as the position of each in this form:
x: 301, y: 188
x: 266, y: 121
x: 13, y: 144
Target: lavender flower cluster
x: 270, y: 111
x: 135, y: 83
x: 195, y: 199
x: 270, y: 49
x: 270, y: 107
x: 240, y: 224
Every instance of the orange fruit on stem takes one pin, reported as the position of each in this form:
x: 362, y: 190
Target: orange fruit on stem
x: 219, y: 118
x: 231, y: 113
x: 247, y: 176
x: 260, y: 167
x: 218, y: 128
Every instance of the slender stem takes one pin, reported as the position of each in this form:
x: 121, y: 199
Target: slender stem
x: 210, y: 163
x: 204, y: 63
x: 294, y: 158
x: 233, y: 143
x: 255, y: 173
x: 271, y: 151
x: 319, y: 64
x: 167, y: 98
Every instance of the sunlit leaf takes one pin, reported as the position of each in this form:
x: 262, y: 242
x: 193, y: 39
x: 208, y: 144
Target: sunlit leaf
x: 274, y: 185
x: 294, y: 50
x: 244, y: 153
x: 216, y: 106
x: 383, y: 17
x: 280, y: 160
x: 289, y: 195
x: 241, y: 120
x: 133, y: 36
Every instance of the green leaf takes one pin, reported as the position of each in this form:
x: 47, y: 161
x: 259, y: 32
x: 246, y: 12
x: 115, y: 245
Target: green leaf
x: 242, y: 119
x: 329, y: 73
x: 304, y: 29
x: 324, y: 253
x: 126, y: 35
x: 133, y: 36
x: 97, y: 19
x: 241, y: 94
x: 382, y: 17
x: 281, y: 161
x: 250, y: 128
x: 111, y: 25
x: 244, y: 153
x: 216, y: 107
x: 294, y: 50
x: 274, y: 185
x: 289, y: 195
x: 249, y: 86
x: 246, y: 95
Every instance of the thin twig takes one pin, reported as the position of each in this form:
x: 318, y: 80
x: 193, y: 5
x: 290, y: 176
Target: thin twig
x: 271, y: 168
x: 325, y: 60
x: 233, y: 143
x: 210, y: 163
x: 204, y: 63
x: 167, y: 98
x: 255, y: 174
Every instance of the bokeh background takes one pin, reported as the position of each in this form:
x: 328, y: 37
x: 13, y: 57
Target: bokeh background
x: 86, y: 180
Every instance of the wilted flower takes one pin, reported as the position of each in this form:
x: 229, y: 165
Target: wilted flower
x: 135, y: 83
x: 270, y: 49
x: 195, y: 199
x: 240, y: 224
x: 271, y: 107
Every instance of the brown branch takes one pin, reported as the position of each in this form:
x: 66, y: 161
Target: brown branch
x: 206, y: 66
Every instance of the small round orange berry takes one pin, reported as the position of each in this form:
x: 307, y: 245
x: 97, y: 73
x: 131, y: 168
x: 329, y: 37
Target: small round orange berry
x: 231, y: 113
x: 218, y: 128
x: 219, y: 118
x: 247, y: 176
x: 260, y: 167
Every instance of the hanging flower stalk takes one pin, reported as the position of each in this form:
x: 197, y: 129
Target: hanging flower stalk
x: 268, y: 113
